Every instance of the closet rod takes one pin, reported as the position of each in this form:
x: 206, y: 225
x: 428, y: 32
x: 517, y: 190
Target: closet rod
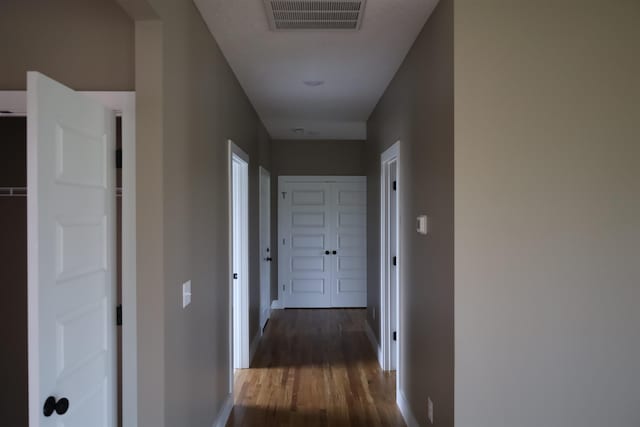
x: 13, y: 191
x: 22, y: 191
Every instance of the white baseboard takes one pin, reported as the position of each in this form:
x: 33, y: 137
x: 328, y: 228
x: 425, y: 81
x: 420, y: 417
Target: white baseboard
x: 276, y: 304
x: 405, y: 410
x: 374, y: 342
x: 225, y: 411
x: 254, y: 345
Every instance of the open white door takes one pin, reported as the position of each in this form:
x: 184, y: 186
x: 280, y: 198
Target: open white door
x: 265, y: 246
x: 71, y: 257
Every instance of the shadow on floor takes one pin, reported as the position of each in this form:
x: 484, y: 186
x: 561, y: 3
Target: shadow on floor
x: 297, y: 338
x: 247, y: 416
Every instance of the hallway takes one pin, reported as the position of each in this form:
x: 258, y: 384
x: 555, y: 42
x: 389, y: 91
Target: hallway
x: 315, y: 368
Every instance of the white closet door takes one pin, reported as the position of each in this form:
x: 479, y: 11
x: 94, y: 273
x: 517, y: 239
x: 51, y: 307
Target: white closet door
x: 305, y: 269
x: 349, y: 228
x: 71, y: 254
x: 322, y: 223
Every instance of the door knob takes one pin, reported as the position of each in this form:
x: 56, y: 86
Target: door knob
x: 60, y: 407
x: 327, y: 252
x: 268, y: 259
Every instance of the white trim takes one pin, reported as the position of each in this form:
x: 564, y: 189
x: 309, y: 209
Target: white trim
x: 124, y: 104
x: 236, y: 154
x: 224, y: 412
x: 14, y: 101
x: 405, y: 409
x: 276, y: 305
x: 374, y: 342
x: 392, y: 154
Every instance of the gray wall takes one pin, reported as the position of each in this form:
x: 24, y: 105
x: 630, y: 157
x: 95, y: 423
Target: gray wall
x: 417, y: 109
x: 189, y: 105
x: 309, y: 157
x: 547, y: 224
x: 86, y: 45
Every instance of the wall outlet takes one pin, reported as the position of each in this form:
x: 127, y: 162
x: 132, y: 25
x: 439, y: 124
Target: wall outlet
x: 430, y: 410
x: 186, y: 293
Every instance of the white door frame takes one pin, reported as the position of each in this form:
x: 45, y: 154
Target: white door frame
x: 265, y: 212
x: 239, y: 351
x: 390, y: 156
x: 124, y: 104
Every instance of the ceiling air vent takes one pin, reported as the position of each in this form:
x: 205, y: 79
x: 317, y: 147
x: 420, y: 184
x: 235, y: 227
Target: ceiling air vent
x: 314, y: 14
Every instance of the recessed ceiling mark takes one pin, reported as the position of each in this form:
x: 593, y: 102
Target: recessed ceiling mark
x: 313, y: 83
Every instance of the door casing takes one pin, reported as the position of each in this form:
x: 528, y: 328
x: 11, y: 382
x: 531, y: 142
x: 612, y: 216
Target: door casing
x: 387, y: 311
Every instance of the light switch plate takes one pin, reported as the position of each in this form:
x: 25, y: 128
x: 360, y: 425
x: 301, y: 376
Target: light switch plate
x: 186, y: 293
x: 422, y: 224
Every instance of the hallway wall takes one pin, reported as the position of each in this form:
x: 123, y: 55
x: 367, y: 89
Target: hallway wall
x: 309, y: 157
x: 547, y: 196
x: 191, y: 104
x: 417, y: 109
x: 86, y: 45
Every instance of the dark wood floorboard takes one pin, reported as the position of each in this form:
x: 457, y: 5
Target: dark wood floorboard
x: 315, y: 368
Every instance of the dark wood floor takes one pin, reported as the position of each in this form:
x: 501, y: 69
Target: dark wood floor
x: 315, y: 368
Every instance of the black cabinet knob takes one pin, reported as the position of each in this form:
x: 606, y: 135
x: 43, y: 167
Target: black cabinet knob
x: 327, y: 252
x: 60, y: 407
x: 335, y: 252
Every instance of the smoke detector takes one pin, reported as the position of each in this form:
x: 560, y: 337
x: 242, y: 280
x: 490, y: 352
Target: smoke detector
x: 314, y: 14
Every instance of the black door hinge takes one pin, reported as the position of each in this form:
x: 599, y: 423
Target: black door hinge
x: 395, y: 185
x: 395, y: 336
x: 395, y: 261
x: 235, y: 276
x: 119, y: 315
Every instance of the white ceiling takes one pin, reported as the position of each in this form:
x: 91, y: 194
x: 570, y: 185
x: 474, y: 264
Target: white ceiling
x: 356, y: 66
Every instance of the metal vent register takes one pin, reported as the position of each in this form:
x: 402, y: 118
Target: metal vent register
x: 314, y: 14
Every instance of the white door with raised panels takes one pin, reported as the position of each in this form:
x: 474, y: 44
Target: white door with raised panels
x: 71, y: 255
x: 322, y: 241
x: 349, y: 253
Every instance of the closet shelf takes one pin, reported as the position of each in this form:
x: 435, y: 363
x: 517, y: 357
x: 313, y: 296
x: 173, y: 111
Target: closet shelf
x: 22, y: 192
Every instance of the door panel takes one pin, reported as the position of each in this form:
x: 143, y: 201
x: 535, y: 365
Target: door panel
x: 307, y: 232
x: 350, y: 263
x: 71, y: 255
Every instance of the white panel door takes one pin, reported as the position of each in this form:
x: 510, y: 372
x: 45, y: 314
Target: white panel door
x: 305, y: 252
x: 265, y: 246
x: 349, y: 253
x: 71, y: 253
x: 323, y: 242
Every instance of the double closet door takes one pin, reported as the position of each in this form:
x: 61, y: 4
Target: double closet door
x: 322, y: 241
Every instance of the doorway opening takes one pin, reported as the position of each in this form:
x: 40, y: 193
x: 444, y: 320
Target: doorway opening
x: 265, y: 247
x: 239, y: 245
x: 390, y: 261
x: 74, y: 269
